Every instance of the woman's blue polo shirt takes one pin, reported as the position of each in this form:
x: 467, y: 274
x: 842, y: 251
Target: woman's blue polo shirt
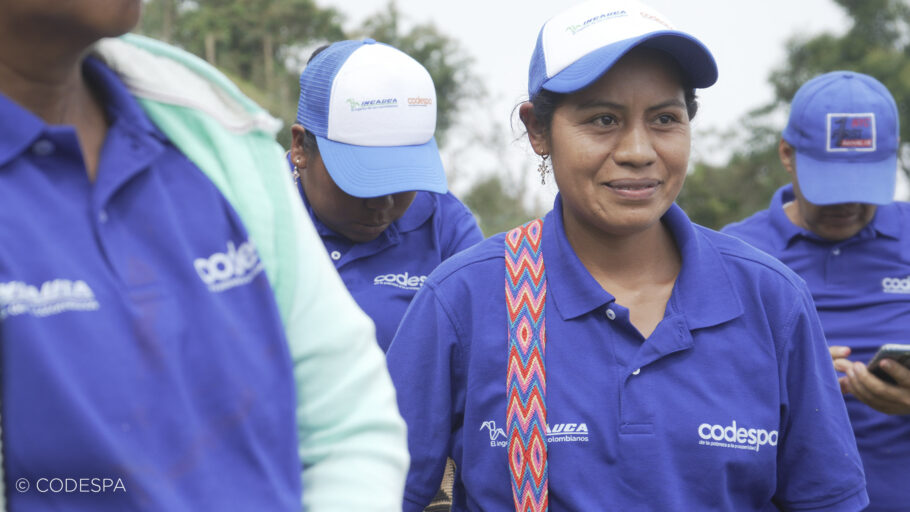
x: 730, y: 404
x: 384, y: 274
x: 145, y: 366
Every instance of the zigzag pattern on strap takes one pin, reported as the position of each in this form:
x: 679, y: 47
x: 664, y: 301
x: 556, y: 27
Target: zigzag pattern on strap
x: 526, y: 416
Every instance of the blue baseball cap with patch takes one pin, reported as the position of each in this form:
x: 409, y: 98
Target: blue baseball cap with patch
x: 580, y: 44
x: 845, y: 129
x: 372, y: 109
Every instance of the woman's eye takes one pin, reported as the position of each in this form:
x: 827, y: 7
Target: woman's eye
x: 605, y: 120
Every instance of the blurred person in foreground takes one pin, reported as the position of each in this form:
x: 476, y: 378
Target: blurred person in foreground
x: 615, y: 356
x: 838, y: 227
x: 173, y: 335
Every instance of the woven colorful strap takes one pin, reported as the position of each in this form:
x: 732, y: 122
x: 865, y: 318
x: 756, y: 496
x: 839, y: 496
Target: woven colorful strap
x: 526, y: 294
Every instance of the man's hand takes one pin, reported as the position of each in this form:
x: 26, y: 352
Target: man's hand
x: 872, y: 391
x: 839, y: 354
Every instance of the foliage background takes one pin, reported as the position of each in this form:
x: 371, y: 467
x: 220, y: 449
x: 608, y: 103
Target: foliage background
x: 263, y: 45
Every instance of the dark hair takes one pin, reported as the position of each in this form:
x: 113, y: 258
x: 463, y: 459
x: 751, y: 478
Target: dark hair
x: 310, y: 147
x: 545, y: 103
x: 317, y: 51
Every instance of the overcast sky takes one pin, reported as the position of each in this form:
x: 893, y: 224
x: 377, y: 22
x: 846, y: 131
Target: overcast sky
x: 746, y: 37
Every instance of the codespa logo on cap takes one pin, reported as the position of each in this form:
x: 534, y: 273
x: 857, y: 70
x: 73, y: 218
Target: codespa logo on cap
x: 851, y: 132
x: 419, y: 101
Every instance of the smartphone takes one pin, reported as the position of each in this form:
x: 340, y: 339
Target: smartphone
x: 895, y: 351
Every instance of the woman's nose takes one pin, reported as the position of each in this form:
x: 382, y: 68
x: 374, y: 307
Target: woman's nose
x: 635, y: 147
x: 380, y: 202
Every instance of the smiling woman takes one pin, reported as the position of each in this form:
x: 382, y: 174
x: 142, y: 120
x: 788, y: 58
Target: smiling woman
x: 617, y: 313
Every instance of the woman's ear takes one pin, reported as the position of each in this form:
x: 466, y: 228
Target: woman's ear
x: 537, y: 132
x: 298, y: 154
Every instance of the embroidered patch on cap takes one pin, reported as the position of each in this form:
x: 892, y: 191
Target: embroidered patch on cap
x: 851, y: 132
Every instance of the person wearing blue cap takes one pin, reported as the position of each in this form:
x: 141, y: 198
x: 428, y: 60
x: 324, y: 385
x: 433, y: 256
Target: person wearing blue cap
x: 370, y: 175
x: 172, y: 335
x: 613, y: 355
x: 839, y: 228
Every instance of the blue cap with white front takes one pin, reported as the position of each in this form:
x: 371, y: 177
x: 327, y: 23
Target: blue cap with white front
x: 372, y: 109
x: 577, y: 46
x: 845, y: 130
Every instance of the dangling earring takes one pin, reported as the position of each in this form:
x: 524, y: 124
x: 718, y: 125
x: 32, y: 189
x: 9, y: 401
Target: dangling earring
x: 543, y: 168
x: 296, y: 174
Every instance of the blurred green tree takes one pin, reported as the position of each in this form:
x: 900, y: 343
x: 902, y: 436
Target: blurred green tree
x: 499, y: 203
x: 445, y: 59
x: 263, y: 44
x: 877, y: 43
x: 251, y: 41
x: 716, y: 195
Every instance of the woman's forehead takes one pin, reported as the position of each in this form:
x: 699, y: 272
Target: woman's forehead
x: 642, y: 70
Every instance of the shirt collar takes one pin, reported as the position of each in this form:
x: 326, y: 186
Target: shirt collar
x: 21, y: 127
x: 886, y: 221
x: 574, y: 290
x: 702, y: 291
x: 780, y: 223
x: 119, y: 103
x: 18, y: 130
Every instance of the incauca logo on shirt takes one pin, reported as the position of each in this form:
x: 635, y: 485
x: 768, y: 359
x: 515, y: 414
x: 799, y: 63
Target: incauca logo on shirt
x: 224, y: 270
x: 731, y: 436
x: 556, y: 433
x: 52, y: 297
x: 403, y: 281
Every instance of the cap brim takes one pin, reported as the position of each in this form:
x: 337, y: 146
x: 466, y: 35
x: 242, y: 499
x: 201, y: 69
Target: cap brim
x: 369, y: 171
x: 695, y: 61
x: 824, y: 183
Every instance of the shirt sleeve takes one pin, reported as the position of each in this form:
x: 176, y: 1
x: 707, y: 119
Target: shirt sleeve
x: 351, y: 437
x: 819, y: 467
x: 352, y: 441
x: 422, y: 360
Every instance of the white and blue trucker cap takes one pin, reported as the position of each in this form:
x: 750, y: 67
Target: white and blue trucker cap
x: 372, y: 109
x: 577, y: 46
x: 845, y: 130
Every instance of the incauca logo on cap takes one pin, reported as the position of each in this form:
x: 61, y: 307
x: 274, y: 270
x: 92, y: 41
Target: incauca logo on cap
x: 372, y: 103
x: 590, y: 22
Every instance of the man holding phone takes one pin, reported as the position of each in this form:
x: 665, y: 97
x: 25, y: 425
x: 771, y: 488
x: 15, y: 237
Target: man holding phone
x: 839, y: 228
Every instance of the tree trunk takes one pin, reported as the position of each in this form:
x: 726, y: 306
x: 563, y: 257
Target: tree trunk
x: 268, y: 61
x: 210, y: 48
x: 167, y: 20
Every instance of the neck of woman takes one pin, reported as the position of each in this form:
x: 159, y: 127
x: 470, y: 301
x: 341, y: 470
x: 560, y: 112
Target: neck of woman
x: 628, y: 260
x: 51, y: 85
x: 638, y: 269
